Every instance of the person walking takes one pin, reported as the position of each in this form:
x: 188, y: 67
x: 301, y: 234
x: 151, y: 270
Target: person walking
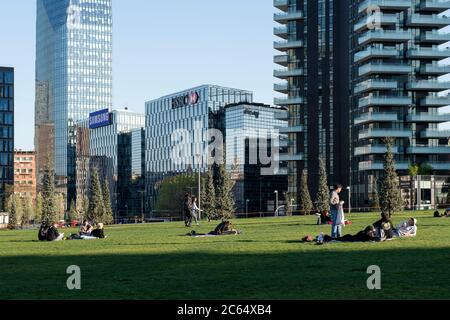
x: 336, y: 212
x: 187, y: 203
x: 194, y: 210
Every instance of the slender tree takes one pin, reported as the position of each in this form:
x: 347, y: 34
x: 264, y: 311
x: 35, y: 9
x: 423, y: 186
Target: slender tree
x: 374, y: 196
x: 96, y: 207
x: 209, y: 194
x: 73, y: 212
x: 323, y: 196
x: 390, y: 195
x: 413, y: 171
x: 38, y: 209
x: 13, y: 220
x: 49, y: 205
x: 108, y: 217
x: 28, y: 210
x: 224, y: 194
x: 306, y: 205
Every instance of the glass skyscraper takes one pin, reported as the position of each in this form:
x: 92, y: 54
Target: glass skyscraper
x: 6, y: 134
x: 73, y: 74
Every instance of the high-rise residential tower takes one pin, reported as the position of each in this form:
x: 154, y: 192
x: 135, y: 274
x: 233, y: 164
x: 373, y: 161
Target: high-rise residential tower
x: 73, y: 75
x: 397, y: 48
x: 6, y: 134
x: 314, y: 54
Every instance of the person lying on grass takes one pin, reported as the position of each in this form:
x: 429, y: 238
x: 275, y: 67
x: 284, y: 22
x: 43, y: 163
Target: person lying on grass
x: 98, y: 233
x: 223, y: 229
x: 407, y: 228
x: 368, y: 234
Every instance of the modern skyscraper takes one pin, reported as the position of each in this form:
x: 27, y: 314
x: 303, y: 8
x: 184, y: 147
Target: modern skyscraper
x: 395, y: 87
x: 315, y: 55
x: 73, y: 75
x: 6, y: 134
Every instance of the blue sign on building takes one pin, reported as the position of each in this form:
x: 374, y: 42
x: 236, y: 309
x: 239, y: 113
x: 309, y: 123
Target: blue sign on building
x: 99, y: 119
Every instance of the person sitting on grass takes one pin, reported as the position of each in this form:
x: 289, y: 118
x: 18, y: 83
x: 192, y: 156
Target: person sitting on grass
x: 407, y: 228
x: 53, y: 234
x: 367, y: 235
x: 86, y: 229
x: 324, y: 218
x: 384, y: 227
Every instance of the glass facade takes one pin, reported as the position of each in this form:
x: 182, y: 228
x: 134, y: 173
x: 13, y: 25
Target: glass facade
x: 314, y: 51
x: 73, y: 73
x: 188, y: 110
x: 246, y: 124
x: 6, y: 134
x: 106, y: 149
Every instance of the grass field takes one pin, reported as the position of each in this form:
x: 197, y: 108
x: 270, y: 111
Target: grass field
x: 155, y: 261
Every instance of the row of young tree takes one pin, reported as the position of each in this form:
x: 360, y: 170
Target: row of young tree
x: 50, y: 206
x: 387, y: 200
x: 217, y: 200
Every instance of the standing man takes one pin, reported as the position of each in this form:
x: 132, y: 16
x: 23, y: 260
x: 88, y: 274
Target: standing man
x: 336, y: 204
x: 187, y: 204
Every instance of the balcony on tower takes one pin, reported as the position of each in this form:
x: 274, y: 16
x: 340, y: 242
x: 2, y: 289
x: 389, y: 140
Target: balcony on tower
x: 373, y: 149
x: 425, y: 20
x: 386, y: 101
x: 282, y: 5
x: 383, y: 133
x: 384, y: 19
x: 435, y: 6
x: 287, y: 45
x: 426, y: 149
x: 393, y: 36
x: 372, y: 117
x: 435, y: 134
x: 435, y: 102
x: 384, y: 68
x: 391, y: 5
x: 293, y: 129
x: 429, y: 118
x: 378, y: 166
x: 288, y: 101
x: 376, y: 53
x: 282, y: 60
x: 281, y: 32
x: 434, y: 69
x: 281, y: 87
x: 292, y: 157
x: 285, y: 17
x: 428, y: 53
x: 428, y: 85
x: 434, y: 37
x: 371, y: 85
x: 286, y: 73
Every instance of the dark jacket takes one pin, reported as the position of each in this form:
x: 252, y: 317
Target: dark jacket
x: 98, y: 233
x: 52, y: 234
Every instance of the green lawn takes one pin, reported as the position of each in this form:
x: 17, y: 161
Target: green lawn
x: 155, y: 261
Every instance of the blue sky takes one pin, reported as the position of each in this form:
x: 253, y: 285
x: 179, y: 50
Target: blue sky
x: 159, y: 47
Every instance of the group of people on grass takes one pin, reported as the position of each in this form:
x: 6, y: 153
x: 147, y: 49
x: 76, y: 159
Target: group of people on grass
x: 446, y: 214
x: 381, y: 230
x: 86, y: 232
x: 190, y: 210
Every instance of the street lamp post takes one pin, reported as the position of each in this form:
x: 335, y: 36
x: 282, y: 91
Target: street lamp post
x: 246, y: 207
x: 349, y: 200
x: 276, y: 201
x: 199, y: 157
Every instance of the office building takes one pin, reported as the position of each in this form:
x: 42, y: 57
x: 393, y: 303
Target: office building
x: 73, y: 76
x: 103, y: 143
x: 251, y: 123
x: 25, y: 174
x: 397, y: 89
x: 6, y: 134
x: 190, y: 110
x: 314, y: 54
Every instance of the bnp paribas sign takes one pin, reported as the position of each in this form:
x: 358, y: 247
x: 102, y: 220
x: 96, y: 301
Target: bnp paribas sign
x: 188, y: 99
x: 99, y: 119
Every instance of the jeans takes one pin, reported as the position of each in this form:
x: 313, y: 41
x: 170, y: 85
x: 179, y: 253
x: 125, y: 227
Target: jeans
x: 336, y: 230
x: 194, y: 216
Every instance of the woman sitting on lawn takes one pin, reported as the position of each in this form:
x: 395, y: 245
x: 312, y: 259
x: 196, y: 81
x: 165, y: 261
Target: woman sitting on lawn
x: 86, y: 229
x: 384, y: 227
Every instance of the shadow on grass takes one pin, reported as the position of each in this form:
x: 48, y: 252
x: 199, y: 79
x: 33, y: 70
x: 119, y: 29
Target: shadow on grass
x: 315, y: 274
